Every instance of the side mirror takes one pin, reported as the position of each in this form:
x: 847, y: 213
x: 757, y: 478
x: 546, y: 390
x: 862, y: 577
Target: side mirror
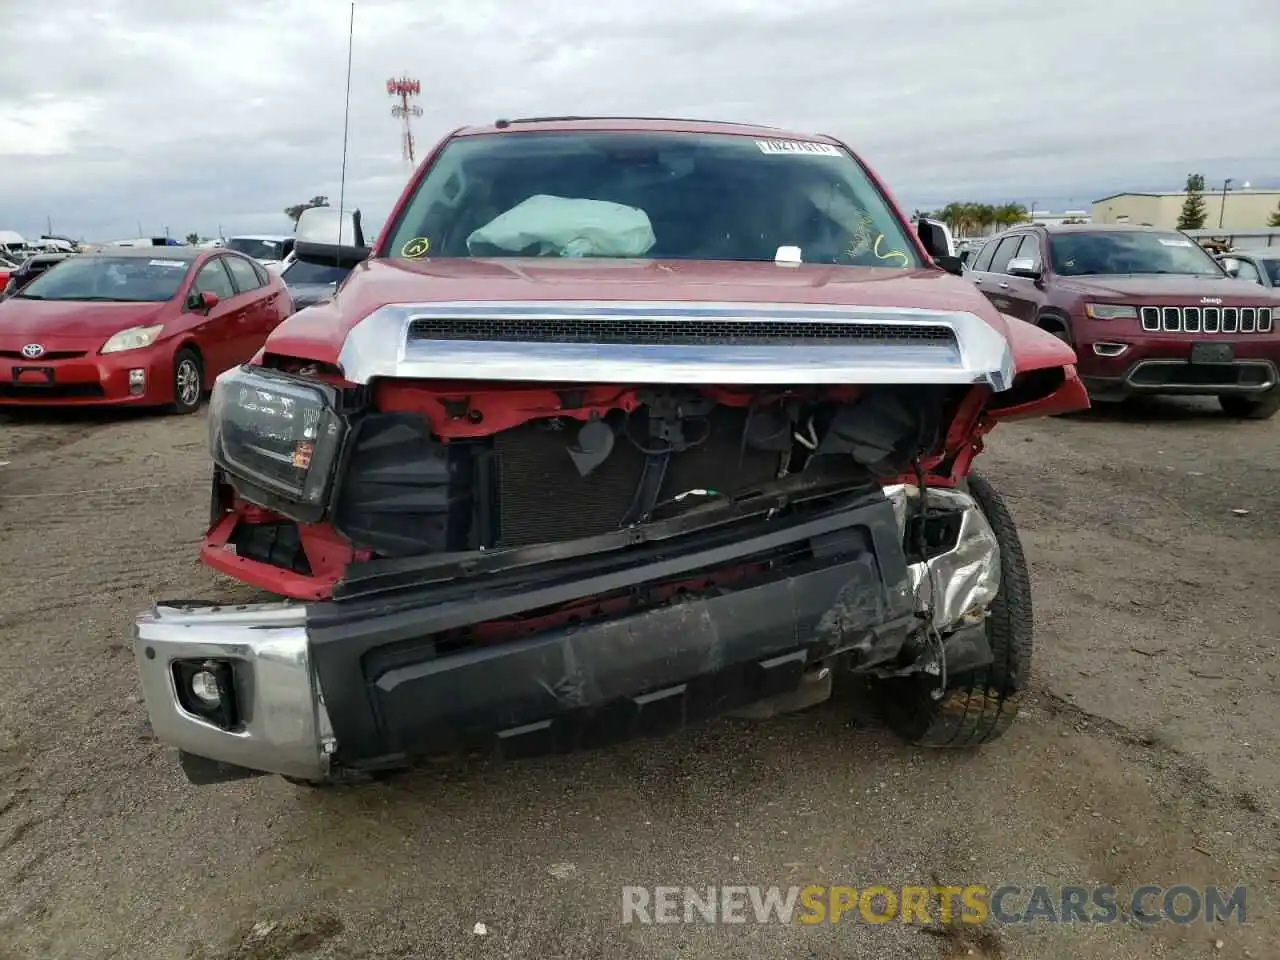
x: 201, y: 302
x: 1024, y: 267
x: 322, y: 238
x: 330, y: 254
x: 936, y: 239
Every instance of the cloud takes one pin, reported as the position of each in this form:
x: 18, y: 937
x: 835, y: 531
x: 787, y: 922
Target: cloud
x: 120, y: 113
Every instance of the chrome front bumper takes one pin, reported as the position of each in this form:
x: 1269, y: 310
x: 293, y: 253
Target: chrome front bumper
x: 283, y: 729
x: 283, y: 726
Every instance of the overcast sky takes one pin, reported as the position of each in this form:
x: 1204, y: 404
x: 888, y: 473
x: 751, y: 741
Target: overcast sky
x: 190, y: 114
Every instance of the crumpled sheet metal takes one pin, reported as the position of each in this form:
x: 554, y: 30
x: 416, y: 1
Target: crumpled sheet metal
x: 967, y: 578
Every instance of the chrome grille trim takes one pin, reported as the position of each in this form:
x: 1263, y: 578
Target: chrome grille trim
x: 970, y: 352
x: 673, y: 330
x: 1206, y: 319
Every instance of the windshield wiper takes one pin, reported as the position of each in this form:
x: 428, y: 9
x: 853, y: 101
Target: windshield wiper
x: 103, y: 299
x: 29, y: 296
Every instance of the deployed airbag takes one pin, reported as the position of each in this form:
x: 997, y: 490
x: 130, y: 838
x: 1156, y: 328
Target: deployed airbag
x: 567, y: 228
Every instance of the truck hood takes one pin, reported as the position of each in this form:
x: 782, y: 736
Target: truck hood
x: 44, y: 321
x: 319, y: 332
x: 1164, y: 285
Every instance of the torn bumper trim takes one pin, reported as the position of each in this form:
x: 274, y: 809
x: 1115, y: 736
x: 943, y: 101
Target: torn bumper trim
x: 966, y: 577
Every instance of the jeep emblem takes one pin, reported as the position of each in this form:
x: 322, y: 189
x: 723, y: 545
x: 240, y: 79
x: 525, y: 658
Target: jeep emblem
x: 1212, y: 301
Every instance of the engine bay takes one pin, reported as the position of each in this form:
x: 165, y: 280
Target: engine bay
x: 412, y: 483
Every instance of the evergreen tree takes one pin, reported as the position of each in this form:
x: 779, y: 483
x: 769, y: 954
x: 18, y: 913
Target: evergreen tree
x: 1193, y: 212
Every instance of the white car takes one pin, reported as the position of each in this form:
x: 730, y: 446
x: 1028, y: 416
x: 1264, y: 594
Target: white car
x: 270, y: 250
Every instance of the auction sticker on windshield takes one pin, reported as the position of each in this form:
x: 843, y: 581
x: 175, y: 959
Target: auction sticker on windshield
x: 1176, y: 243
x: 416, y: 249
x: 798, y: 146
x: 166, y: 263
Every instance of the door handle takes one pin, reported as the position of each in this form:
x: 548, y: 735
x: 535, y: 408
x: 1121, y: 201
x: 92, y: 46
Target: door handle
x: 1004, y: 286
x: 977, y: 279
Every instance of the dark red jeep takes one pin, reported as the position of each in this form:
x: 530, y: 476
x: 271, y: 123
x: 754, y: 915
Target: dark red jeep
x: 1148, y: 312
x: 620, y: 424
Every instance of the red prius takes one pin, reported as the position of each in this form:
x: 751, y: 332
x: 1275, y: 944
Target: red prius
x: 137, y: 326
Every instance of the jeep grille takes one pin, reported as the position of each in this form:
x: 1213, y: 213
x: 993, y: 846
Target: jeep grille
x: 1207, y: 319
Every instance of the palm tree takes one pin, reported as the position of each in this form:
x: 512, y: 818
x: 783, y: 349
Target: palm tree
x: 953, y: 215
x: 1010, y: 214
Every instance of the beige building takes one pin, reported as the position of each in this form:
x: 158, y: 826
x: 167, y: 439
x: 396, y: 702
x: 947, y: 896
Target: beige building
x: 1243, y: 209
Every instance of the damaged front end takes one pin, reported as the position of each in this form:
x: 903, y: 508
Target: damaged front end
x: 516, y: 567
x: 542, y: 654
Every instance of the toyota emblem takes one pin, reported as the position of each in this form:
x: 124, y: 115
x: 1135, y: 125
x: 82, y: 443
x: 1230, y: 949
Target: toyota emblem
x: 32, y: 350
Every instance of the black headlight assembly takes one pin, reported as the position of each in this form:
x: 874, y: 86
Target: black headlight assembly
x: 278, y: 438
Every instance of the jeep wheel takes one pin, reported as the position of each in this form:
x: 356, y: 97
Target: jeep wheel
x: 978, y: 705
x: 1251, y: 408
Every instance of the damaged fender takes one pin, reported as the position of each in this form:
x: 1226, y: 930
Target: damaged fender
x: 959, y: 584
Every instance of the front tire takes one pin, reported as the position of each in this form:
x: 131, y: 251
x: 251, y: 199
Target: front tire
x: 188, y: 382
x: 979, y: 705
x: 1251, y: 408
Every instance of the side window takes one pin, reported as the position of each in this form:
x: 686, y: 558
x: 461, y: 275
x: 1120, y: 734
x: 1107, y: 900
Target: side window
x: 983, y: 263
x: 243, y: 274
x: 213, y: 278
x: 1005, y: 252
x: 1249, y: 272
x: 1029, y: 249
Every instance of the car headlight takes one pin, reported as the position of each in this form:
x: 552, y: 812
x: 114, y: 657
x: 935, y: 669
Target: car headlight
x: 135, y: 338
x: 1110, y: 311
x: 279, y: 433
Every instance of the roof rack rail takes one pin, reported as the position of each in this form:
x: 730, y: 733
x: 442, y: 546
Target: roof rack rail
x: 504, y: 123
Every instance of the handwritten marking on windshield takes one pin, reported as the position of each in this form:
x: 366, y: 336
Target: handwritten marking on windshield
x: 889, y: 254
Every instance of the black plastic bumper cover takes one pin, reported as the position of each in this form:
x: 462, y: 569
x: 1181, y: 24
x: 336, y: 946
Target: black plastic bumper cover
x: 392, y: 694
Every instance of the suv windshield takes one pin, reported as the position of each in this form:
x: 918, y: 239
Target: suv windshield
x: 651, y: 195
x: 1121, y: 251
x: 124, y: 279
x: 299, y: 272
x: 258, y: 249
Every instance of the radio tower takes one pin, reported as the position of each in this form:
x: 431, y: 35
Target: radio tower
x: 404, y: 88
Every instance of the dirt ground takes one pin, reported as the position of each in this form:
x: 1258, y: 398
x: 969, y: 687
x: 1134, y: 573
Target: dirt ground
x: 1148, y: 753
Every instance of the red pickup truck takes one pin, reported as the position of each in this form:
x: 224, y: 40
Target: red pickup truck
x: 620, y: 424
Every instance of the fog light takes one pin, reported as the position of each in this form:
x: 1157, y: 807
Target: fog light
x: 205, y: 687
x: 137, y: 381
